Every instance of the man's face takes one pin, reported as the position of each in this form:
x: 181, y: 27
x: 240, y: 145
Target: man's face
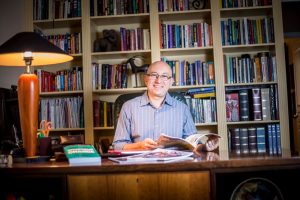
x: 158, y: 79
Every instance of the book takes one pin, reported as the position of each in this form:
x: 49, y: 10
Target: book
x: 155, y: 156
x: 244, y: 105
x: 189, y: 143
x: 232, y: 107
x: 82, y: 154
x: 235, y: 142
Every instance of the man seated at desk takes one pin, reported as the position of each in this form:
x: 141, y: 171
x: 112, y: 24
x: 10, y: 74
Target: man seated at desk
x: 143, y: 119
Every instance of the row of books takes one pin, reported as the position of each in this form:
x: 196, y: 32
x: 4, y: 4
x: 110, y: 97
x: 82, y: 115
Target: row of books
x: 247, y: 31
x: 177, y: 5
x: 187, y: 35
x: 118, y: 7
x: 103, y: 113
x: 248, y: 69
x: 62, y: 80
x: 69, y: 42
x: 195, y: 73
x: 106, y: 76
x: 244, y: 3
x: 252, y: 104
x: 134, y: 39
x: 62, y: 112
x: 203, y: 110
x: 255, y: 140
x: 56, y: 9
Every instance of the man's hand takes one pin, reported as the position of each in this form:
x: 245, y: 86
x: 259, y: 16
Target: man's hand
x: 212, y: 143
x: 148, y: 143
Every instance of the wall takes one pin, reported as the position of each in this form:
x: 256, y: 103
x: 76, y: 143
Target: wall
x: 12, y: 21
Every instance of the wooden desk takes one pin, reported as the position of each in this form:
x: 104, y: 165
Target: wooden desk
x: 198, y: 179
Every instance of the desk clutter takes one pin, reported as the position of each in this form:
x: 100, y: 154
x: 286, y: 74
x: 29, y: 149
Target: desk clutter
x: 47, y: 148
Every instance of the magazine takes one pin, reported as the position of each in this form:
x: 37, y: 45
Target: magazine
x: 82, y: 154
x: 189, y: 143
x: 155, y: 156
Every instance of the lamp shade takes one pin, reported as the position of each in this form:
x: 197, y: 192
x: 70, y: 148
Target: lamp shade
x: 43, y: 51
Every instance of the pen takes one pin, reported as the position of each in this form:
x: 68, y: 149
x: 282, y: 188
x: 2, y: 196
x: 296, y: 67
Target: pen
x: 112, y: 151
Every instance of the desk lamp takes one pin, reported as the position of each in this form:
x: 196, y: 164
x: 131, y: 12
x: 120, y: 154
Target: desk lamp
x: 30, y: 49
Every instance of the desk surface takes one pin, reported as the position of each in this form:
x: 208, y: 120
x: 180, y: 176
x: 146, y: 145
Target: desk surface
x: 218, y: 178
x: 107, y: 166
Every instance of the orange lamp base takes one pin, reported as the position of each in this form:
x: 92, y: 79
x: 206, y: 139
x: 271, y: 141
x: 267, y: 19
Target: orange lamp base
x: 28, y: 97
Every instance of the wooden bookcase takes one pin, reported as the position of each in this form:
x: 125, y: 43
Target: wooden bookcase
x: 213, y: 14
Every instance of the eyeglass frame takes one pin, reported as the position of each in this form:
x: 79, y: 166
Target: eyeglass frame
x: 162, y: 77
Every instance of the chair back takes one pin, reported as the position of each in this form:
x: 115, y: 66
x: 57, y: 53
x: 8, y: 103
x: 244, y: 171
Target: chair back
x: 125, y: 97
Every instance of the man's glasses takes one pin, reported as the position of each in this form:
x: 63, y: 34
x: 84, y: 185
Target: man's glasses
x: 155, y: 76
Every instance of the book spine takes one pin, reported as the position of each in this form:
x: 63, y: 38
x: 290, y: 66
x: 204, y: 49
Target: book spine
x: 235, y: 140
x: 256, y: 104
x: 278, y: 140
x: 265, y: 103
x: 252, y: 140
x: 232, y: 107
x: 261, y: 139
x: 244, y: 140
x: 270, y: 139
x: 244, y: 105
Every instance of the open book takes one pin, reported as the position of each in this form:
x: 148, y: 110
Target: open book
x: 189, y: 143
x: 155, y: 156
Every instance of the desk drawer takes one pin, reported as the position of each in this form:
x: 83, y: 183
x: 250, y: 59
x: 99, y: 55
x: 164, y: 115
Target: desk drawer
x: 144, y: 186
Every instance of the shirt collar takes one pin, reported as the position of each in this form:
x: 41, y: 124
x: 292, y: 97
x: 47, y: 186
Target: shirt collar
x: 145, y: 100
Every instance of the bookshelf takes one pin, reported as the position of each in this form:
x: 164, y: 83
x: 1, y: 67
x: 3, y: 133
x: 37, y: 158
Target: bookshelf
x: 91, y: 28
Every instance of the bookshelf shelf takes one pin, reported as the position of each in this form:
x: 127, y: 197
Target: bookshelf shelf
x: 246, y: 11
x: 249, y: 84
x: 253, y: 122
x: 186, y: 51
x: 103, y: 128
x: 58, y: 23
x: 120, y: 91
x: 62, y: 93
x: 65, y: 129
x: 188, y: 15
x: 120, y: 19
x: 206, y: 124
x: 119, y: 54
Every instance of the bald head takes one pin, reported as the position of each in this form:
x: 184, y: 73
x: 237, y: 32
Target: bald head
x: 160, y: 67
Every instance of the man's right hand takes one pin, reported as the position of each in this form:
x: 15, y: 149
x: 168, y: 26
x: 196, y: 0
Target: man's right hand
x: 146, y: 144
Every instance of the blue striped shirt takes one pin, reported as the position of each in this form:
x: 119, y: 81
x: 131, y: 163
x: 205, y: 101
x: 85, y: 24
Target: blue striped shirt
x: 138, y: 120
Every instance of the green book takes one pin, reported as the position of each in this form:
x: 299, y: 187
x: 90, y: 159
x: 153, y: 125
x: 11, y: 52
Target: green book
x: 82, y: 154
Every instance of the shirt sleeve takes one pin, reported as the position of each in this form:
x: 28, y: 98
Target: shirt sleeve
x: 189, y: 127
x: 122, y: 134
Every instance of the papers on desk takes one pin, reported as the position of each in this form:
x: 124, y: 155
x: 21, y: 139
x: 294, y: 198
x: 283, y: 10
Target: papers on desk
x: 155, y: 156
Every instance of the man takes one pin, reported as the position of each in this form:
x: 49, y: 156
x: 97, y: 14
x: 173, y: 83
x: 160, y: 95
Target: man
x: 143, y: 119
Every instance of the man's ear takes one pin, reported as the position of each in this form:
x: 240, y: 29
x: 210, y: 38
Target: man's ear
x: 145, y: 80
x: 172, y: 81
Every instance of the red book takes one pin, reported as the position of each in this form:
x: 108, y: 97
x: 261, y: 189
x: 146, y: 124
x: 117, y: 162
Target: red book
x: 232, y: 107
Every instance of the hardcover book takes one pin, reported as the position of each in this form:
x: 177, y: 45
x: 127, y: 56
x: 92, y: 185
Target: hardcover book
x: 256, y: 104
x: 232, y: 107
x: 82, y: 155
x: 244, y: 105
x: 235, y: 142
